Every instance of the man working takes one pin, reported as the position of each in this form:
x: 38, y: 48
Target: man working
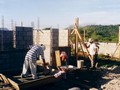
x: 31, y: 58
x: 93, y: 51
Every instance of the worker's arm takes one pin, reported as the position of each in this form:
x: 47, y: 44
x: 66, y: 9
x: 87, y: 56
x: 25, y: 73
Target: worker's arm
x: 97, y: 49
x: 87, y: 45
x: 44, y: 63
x: 43, y: 58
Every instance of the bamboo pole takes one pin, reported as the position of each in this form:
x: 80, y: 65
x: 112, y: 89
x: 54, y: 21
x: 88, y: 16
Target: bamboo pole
x: 84, y: 35
x: 119, y: 41
x: 76, y: 37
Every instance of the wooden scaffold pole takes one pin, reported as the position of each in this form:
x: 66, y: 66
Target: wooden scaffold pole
x: 79, y: 38
x: 76, y: 37
x: 119, y: 41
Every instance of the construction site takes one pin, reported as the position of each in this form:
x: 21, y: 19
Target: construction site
x: 73, y: 73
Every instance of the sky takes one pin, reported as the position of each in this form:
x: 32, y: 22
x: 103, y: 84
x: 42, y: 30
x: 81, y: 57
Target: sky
x: 59, y: 13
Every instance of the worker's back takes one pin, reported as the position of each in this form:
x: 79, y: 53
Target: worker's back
x: 34, y: 52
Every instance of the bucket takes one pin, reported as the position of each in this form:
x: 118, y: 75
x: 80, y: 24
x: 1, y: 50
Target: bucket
x: 80, y: 63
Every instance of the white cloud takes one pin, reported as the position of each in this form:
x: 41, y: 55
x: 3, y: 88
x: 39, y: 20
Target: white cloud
x: 101, y: 17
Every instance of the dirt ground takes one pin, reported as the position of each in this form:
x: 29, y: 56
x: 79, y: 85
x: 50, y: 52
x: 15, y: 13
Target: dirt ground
x: 111, y: 78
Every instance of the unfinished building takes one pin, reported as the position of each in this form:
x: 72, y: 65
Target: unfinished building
x: 25, y: 36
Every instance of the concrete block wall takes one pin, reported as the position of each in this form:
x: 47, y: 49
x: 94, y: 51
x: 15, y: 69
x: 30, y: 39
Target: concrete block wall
x: 63, y: 37
x: 47, y: 37
x: 24, y: 37
x: 50, y: 38
x: 6, y: 40
x: 11, y: 62
x: 36, y: 36
x: 109, y: 48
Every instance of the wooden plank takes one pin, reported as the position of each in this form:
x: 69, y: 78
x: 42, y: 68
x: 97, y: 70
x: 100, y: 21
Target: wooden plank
x: 4, y: 78
x: 26, y: 83
x: 57, y: 55
x: 38, y: 82
x: 76, y: 37
x: 33, y: 83
x: 9, y: 81
x: 14, y: 84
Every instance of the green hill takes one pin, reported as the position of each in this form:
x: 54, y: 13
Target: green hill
x: 102, y: 33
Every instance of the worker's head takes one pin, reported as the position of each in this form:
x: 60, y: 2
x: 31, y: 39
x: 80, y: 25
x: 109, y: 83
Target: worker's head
x: 30, y: 46
x: 96, y: 42
x: 63, y: 55
x: 43, y: 47
x: 90, y: 40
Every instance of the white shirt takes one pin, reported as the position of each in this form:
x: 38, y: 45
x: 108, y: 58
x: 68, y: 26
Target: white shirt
x: 92, y: 49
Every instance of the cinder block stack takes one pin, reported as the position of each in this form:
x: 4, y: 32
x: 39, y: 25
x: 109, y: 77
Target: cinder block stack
x: 11, y: 61
x: 49, y: 37
x: 24, y: 37
x: 45, y: 38
x: 55, y: 37
x: 6, y: 40
x: 63, y: 37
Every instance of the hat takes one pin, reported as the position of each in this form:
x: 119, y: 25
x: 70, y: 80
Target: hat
x: 90, y: 40
x: 43, y: 47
